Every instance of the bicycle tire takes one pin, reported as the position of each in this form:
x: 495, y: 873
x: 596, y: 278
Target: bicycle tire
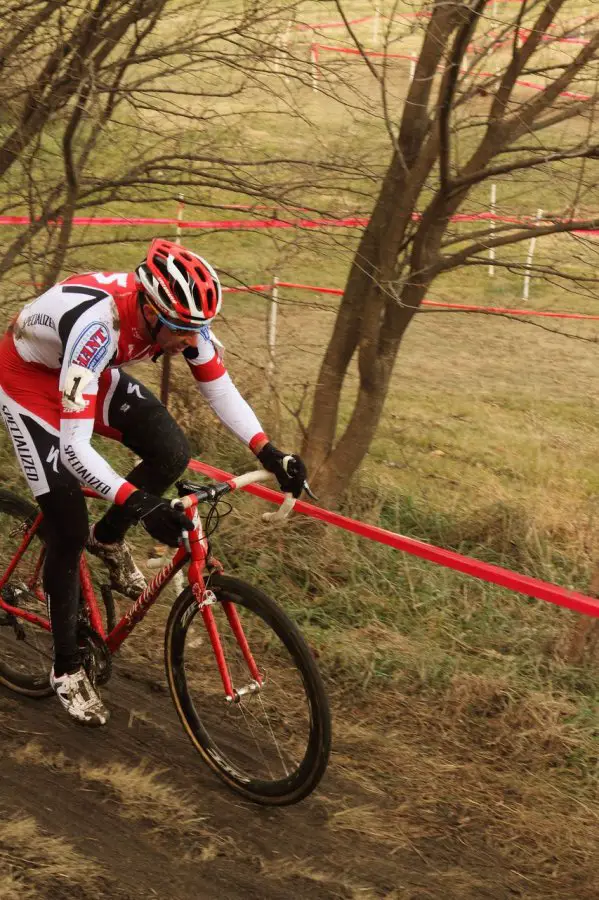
x: 32, y: 685
x: 25, y: 682
x: 249, y: 601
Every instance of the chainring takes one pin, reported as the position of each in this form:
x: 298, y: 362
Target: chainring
x: 97, y: 659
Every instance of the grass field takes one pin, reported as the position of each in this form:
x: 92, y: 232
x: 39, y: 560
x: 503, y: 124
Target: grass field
x: 459, y: 705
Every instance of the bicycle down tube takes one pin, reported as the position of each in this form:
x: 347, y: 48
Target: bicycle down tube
x: 194, y: 549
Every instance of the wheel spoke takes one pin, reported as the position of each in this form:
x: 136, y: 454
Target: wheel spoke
x: 272, y: 743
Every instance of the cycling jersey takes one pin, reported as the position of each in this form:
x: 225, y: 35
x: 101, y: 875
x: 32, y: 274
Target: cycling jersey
x: 58, y: 365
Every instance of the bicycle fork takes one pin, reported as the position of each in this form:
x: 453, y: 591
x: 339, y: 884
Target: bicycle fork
x: 205, y: 599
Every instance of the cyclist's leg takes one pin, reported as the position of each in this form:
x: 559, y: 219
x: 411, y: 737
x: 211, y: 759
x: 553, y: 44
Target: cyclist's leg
x: 66, y: 528
x: 133, y: 415
x: 36, y: 442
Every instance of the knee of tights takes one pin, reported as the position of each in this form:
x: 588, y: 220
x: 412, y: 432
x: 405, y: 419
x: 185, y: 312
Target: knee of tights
x: 68, y: 537
x: 65, y: 526
x: 171, y: 464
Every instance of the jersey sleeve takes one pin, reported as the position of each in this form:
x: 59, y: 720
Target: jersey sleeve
x: 216, y: 386
x: 89, y: 345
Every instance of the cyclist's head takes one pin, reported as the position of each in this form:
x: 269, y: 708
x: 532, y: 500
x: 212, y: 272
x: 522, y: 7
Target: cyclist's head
x: 181, y: 287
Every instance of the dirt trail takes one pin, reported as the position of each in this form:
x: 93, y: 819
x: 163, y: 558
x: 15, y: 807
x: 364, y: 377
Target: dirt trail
x: 144, y: 856
x: 231, y: 849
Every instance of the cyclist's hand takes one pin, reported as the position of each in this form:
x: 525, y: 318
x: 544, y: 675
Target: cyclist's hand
x: 288, y: 469
x: 158, y: 517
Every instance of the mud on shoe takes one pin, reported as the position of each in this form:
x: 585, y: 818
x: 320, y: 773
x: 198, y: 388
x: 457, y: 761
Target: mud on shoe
x: 125, y: 577
x: 79, y: 697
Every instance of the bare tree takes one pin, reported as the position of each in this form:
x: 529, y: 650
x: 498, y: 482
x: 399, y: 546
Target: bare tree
x: 409, y: 240
x: 112, y: 101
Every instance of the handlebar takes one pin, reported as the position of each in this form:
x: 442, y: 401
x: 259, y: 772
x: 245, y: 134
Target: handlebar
x: 194, y: 494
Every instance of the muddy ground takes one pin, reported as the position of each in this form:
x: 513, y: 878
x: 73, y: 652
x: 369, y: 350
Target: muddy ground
x: 357, y: 837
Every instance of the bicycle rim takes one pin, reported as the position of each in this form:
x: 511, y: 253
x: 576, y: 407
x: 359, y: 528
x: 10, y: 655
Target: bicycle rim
x: 271, y: 742
x: 25, y: 648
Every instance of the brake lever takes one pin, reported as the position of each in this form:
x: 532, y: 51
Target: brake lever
x: 309, y: 491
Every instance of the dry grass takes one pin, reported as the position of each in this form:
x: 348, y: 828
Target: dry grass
x: 486, y: 770
x: 33, y: 861
x: 143, y: 796
x: 297, y: 870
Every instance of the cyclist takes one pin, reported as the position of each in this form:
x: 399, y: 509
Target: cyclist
x: 61, y: 381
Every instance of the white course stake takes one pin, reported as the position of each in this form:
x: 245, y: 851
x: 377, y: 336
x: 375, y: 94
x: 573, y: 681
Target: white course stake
x: 376, y: 23
x: 272, y: 327
x: 529, y: 256
x: 412, y: 71
x: 314, y: 66
x: 492, y: 228
x: 585, y: 14
x: 180, y: 209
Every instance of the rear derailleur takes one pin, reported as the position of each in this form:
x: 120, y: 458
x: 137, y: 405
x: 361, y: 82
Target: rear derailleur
x: 11, y: 594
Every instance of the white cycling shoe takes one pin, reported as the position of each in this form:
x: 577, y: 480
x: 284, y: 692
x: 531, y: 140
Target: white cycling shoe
x: 79, y: 697
x: 125, y: 577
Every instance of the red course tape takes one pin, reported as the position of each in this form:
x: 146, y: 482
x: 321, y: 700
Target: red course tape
x: 251, y: 224
x: 494, y: 310
x: 522, y: 584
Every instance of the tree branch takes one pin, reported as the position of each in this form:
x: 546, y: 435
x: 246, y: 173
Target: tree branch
x: 451, y: 262
x: 448, y: 88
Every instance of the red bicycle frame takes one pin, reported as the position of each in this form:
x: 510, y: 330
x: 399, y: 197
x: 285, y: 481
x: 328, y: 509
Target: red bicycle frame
x: 194, y: 548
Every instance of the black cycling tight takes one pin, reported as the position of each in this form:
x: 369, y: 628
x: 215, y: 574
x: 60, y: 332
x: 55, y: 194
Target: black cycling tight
x: 158, y: 440
x: 65, y: 531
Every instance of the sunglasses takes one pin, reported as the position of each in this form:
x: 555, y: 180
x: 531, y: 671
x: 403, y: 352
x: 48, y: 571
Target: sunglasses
x: 172, y: 327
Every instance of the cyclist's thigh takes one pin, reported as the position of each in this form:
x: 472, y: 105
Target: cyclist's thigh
x: 37, y: 445
x: 66, y: 524
x: 130, y: 413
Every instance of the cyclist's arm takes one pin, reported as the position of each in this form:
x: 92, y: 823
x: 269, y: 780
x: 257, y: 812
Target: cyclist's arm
x: 216, y: 386
x: 88, y: 348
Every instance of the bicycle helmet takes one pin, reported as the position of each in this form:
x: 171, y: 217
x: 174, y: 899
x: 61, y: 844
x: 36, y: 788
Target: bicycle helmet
x: 181, y: 286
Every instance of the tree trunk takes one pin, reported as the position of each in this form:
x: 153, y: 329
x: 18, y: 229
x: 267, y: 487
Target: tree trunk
x: 376, y: 360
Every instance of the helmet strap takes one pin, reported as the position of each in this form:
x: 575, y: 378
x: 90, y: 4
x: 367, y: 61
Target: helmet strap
x: 152, y: 329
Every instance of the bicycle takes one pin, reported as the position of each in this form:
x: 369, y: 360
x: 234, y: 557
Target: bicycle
x: 265, y: 686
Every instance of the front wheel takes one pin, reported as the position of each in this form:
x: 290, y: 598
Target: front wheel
x: 271, y: 741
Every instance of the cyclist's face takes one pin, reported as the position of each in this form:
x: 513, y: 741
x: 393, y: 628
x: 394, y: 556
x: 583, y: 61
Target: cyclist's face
x: 169, y: 340
x: 175, y: 341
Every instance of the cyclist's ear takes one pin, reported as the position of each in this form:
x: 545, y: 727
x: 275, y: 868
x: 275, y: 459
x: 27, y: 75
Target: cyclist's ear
x: 149, y: 312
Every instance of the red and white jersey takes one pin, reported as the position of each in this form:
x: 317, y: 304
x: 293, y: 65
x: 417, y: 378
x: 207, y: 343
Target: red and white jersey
x: 79, y: 329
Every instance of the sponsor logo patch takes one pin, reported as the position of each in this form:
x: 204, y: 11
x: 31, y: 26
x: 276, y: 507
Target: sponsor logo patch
x: 91, y: 346
x: 39, y: 319
x: 111, y: 277
x: 84, y: 474
x: 53, y: 458
x: 21, y: 445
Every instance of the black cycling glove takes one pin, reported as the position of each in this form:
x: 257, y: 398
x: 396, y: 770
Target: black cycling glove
x: 289, y: 469
x: 157, y: 516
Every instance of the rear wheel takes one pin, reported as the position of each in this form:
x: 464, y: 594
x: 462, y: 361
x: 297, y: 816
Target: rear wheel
x: 26, y: 650
x: 271, y: 742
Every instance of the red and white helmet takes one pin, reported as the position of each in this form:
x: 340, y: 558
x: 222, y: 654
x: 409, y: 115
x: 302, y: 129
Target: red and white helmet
x: 181, y: 286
